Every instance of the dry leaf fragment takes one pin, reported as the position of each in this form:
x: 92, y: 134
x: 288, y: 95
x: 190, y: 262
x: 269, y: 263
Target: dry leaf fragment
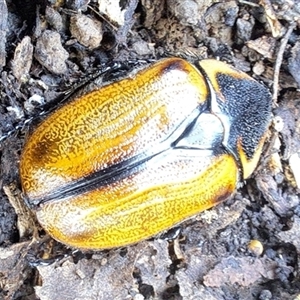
x: 264, y: 45
x: 243, y: 271
x: 275, y: 25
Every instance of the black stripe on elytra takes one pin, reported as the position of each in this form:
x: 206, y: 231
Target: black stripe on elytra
x: 123, y: 169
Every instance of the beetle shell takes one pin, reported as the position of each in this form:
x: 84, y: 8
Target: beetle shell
x: 132, y: 158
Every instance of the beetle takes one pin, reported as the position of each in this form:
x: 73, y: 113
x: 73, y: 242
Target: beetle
x: 133, y: 157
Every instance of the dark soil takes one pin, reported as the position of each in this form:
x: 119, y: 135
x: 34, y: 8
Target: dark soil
x: 245, y: 248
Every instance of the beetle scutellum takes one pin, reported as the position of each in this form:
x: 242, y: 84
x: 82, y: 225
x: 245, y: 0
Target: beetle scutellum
x: 134, y: 157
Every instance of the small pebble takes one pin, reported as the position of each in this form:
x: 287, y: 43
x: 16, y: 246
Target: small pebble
x: 256, y: 247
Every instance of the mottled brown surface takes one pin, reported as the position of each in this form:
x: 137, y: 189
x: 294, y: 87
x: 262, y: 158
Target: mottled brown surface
x: 209, y: 259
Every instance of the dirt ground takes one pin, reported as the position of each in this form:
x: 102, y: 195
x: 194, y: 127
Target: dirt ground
x: 245, y: 248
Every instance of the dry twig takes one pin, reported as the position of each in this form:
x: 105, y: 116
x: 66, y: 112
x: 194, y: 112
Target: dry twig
x: 278, y: 61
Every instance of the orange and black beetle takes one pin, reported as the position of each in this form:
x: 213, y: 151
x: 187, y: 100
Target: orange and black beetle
x: 132, y: 158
